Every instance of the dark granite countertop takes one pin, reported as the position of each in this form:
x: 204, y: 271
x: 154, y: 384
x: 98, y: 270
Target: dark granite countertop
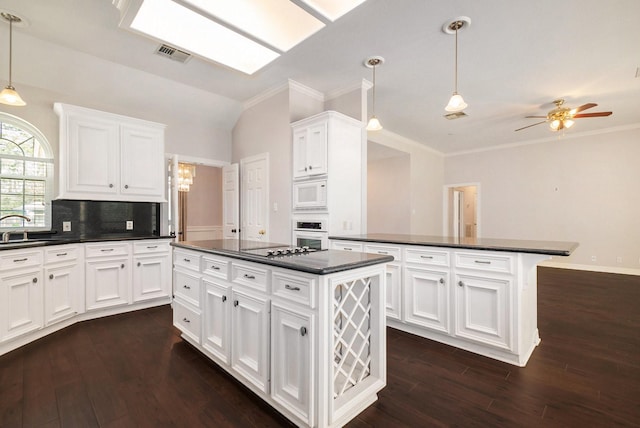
x: 318, y: 263
x: 551, y: 248
x: 41, y: 242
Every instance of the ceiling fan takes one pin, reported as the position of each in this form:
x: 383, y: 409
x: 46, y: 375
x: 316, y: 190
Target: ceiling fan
x: 562, y: 117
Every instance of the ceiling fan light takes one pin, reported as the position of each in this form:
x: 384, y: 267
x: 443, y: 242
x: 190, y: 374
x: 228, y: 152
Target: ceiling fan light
x: 555, y: 124
x: 568, y: 123
x: 9, y: 96
x: 374, y: 124
x: 456, y: 103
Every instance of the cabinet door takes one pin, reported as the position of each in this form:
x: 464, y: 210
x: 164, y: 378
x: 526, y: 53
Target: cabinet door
x: 300, y: 165
x: 108, y: 283
x: 394, y: 291
x: 483, y: 311
x: 92, y: 154
x: 151, y: 277
x: 142, y: 162
x: 317, y: 149
x: 216, y: 329
x: 292, y: 360
x: 21, y: 303
x: 427, y: 298
x: 62, y: 292
x: 250, y: 338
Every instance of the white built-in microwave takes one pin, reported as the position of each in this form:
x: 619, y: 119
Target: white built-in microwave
x: 310, y: 195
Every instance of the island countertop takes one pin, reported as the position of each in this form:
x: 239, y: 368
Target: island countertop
x: 551, y: 248
x: 319, y: 262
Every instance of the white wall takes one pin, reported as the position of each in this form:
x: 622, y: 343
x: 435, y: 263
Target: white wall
x: 389, y: 195
x: 574, y: 188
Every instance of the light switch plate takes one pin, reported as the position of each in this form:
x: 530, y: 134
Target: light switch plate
x: 129, y: 224
x: 66, y: 226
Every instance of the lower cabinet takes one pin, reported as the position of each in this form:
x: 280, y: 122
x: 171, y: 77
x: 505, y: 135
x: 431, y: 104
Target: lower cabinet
x: 394, y: 291
x: 427, y: 298
x: 21, y: 302
x: 292, y: 359
x: 108, y: 282
x: 250, y: 338
x: 217, y: 324
x: 151, y: 277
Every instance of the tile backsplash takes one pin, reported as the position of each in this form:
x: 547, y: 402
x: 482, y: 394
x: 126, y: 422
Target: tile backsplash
x: 104, y: 219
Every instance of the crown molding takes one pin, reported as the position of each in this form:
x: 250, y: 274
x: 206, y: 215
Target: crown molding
x: 364, y: 85
x: 289, y: 85
x: 388, y: 135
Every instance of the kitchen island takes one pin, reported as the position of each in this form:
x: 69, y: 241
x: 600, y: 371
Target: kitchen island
x: 477, y: 294
x: 304, y: 331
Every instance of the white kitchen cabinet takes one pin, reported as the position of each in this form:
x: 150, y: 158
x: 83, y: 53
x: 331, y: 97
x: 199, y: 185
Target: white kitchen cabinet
x: 151, y: 270
x: 393, y: 291
x: 105, y: 156
x: 217, y: 324
x: 107, y: 275
x: 21, y: 302
x: 292, y: 359
x: 64, y: 292
x: 426, y: 295
x: 310, y: 151
x: 250, y: 338
x: 483, y: 309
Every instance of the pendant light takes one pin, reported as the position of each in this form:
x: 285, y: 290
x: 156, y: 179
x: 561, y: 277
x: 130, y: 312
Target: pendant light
x: 372, y: 62
x: 9, y: 95
x: 456, y: 103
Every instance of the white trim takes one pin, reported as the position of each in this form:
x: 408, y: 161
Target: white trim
x: 306, y: 90
x: 204, y: 232
x: 371, y: 136
x: 603, y: 269
x: 197, y: 160
x: 546, y: 140
x: 289, y: 85
x: 364, y: 84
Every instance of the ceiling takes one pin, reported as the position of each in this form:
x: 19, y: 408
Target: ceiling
x: 514, y: 60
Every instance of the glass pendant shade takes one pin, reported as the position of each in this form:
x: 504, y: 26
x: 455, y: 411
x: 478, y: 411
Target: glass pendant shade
x: 554, y: 125
x: 456, y: 103
x: 374, y: 124
x: 10, y: 97
x: 568, y: 123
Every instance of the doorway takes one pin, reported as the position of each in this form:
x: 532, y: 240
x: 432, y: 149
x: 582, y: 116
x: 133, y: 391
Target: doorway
x: 462, y: 210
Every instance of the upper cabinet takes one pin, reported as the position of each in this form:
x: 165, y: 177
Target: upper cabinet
x: 310, y: 150
x: 104, y: 156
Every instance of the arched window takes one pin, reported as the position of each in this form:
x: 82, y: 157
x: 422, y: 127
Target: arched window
x: 26, y: 175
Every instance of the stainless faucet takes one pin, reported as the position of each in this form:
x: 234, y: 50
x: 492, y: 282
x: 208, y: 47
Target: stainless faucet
x: 6, y: 235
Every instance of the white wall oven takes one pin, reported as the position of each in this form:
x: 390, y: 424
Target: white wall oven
x: 310, y: 195
x: 310, y: 231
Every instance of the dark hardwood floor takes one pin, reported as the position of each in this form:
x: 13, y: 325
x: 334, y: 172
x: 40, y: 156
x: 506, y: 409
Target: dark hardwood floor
x: 133, y: 370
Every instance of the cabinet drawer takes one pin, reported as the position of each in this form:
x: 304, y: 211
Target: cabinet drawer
x: 296, y: 288
x: 61, y: 253
x: 428, y: 257
x: 396, y: 252
x: 187, y: 287
x: 215, y: 266
x: 111, y: 249
x: 346, y: 246
x: 187, y: 320
x: 154, y: 246
x: 250, y: 276
x: 485, y: 262
x: 186, y: 259
x: 20, y: 258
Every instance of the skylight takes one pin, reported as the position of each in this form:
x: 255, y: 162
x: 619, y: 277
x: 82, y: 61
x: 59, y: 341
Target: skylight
x: 242, y: 34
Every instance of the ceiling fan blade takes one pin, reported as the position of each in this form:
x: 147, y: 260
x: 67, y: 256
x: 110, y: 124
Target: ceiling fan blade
x: 583, y: 107
x: 598, y: 114
x: 537, y: 117
x: 529, y: 126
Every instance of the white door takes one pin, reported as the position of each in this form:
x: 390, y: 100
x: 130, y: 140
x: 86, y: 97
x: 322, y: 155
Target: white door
x: 231, y: 201
x: 20, y: 304
x: 108, y: 283
x: 141, y: 161
x: 216, y: 324
x: 151, y: 277
x: 60, y: 292
x: 427, y: 298
x: 254, y: 173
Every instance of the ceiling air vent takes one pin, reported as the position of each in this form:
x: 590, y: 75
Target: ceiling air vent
x: 456, y: 115
x: 173, y: 53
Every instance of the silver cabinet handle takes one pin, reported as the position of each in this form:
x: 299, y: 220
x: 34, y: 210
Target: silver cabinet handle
x: 224, y: 298
x: 249, y: 276
x: 185, y: 319
x: 186, y: 286
x: 426, y: 257
x: 126, y: 186
x: 34, y: 280
x: 187, y: 260
x: 482, y: 262
x: 111, y: 185
x: 106, y: 250
x: 122, y: 266
x: 51, y: 276
x: 235, y: 303
x: 461, y: 284
x: 61, y: 254
x: 305, y: 168
x: 20, y: 260
x: 139, y: 263
x: 347, y: 249
x: 288, y: 287
x: 383, y: 252
x: 151, y: 247
x: 303, y: 331
x: 310, y: 167
x: 214, y: 267
x: 441, y: 281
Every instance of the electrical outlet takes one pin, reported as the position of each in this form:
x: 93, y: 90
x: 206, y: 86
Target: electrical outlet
x: 66, y: 226
x: 594, y: 259
x: 129, y: 224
